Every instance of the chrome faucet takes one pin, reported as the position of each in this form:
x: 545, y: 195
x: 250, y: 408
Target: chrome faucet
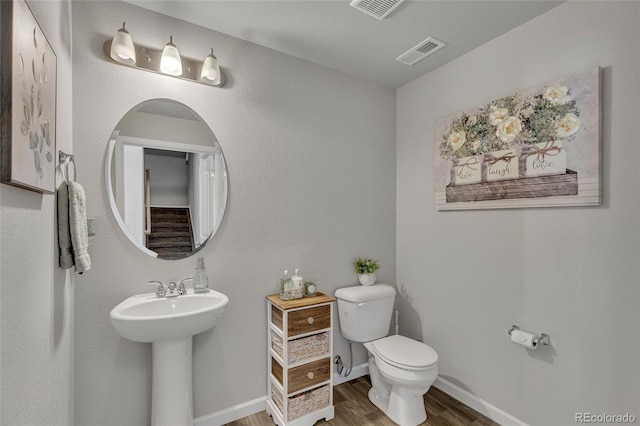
x: 172, y: 290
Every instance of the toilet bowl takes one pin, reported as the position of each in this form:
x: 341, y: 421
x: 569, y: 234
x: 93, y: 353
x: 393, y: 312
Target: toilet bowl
x: 402, y: 369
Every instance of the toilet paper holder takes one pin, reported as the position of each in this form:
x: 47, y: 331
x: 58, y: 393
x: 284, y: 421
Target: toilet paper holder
x: 540, y: 339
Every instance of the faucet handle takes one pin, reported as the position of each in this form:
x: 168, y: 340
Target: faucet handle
x: 160, y: 292
x: 182, y: 290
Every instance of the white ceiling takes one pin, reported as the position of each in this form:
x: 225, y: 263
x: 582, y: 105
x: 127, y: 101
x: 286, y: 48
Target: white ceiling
x: 333, y: 34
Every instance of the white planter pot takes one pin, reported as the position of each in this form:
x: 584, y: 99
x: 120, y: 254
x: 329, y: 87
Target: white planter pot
x: 367, y: 279
x: 466, y: 170
x: 544, y: 158
x: 500, y: 165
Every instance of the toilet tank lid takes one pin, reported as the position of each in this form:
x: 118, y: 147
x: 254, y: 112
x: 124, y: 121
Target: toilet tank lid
x: 364, y: 293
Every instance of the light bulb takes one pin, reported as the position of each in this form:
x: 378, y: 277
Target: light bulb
x: 122, y: 48
x: 170, y: 61
x: 210, y: 68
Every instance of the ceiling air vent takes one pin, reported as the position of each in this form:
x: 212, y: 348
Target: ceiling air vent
x: 420, y: 51
x: 376, y: 8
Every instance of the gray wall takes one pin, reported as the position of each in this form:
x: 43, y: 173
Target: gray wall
x: 311, y: 159
x: 36, y: 297
x: 569, y: 272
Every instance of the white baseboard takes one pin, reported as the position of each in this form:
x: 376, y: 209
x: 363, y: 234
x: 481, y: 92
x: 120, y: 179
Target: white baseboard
x: 232, y: 414
x: 478, y: 404
x: 357, y: 371
x: 248, y: 408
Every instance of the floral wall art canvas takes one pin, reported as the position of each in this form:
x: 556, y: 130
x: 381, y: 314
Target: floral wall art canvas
x: 536, y: 148
x: 28, y: 94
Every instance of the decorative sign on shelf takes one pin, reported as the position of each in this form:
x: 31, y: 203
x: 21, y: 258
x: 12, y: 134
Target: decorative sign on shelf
x: 536, y: 148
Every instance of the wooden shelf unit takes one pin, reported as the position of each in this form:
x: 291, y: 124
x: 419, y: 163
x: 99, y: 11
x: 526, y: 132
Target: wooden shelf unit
x: 300, y: 386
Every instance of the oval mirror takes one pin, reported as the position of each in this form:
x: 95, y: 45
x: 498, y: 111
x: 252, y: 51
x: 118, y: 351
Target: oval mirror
x: 166, y: 179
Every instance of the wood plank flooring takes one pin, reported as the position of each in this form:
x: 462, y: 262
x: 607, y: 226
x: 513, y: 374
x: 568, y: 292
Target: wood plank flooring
x: 353, y: 408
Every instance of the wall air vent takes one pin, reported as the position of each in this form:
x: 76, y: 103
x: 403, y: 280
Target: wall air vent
x: 420, y: 51
x: 379, y: 9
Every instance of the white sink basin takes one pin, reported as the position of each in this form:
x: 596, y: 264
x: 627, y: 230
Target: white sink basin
x: 146, y: 318
x: 169, y: 324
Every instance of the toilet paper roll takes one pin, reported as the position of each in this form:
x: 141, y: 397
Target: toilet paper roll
x: 528, y: 340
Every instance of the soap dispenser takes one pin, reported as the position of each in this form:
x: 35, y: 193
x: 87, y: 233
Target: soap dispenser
x: 200, y: 280
x: 298, y: 285
x: 285, y: 286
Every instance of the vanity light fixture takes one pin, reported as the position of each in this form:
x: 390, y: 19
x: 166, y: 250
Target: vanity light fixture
x: 170, y: 61
x: 122, y: 51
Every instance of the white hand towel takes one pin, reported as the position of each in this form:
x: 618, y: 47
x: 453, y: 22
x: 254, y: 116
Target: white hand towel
x: 64, y: 235
x: 78, y: 227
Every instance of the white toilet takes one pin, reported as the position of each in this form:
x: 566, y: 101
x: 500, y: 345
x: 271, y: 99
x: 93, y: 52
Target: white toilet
x: 402, y: 369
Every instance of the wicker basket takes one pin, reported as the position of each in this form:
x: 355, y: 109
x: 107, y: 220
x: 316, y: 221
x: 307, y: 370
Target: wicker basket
x: 302, y: 348
x: 302, y: 403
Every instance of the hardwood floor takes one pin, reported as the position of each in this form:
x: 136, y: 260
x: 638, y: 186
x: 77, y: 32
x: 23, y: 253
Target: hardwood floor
x: 353, y: 408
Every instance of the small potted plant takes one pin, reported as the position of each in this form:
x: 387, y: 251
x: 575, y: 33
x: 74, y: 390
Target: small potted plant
x: 365, y: 268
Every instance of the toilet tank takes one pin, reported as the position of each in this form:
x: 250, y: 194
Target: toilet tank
x: 365, y: 311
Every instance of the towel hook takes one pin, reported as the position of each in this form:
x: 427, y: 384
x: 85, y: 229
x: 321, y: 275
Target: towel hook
x: 67, y: 159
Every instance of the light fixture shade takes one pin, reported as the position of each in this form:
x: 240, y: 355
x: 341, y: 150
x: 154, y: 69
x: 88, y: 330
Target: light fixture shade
x: 122, y: 48
x: 170, y: 61
x: 210, y: 69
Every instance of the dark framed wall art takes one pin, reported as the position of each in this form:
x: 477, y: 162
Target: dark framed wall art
x: 28, y: 99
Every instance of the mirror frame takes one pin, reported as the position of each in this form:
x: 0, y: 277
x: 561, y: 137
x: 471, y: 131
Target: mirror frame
x: 156, y: 144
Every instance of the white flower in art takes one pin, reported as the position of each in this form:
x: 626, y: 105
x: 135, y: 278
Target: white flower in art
x: 568, y: 125
x: 457, y: 139
x: 497, y: 115
x: 557, y: 94
x: 476, y: 144
x: 527, y: 112
x: 508, y: 129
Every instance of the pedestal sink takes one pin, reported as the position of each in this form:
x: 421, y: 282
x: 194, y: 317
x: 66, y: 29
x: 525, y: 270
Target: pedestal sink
x: 169, y: 324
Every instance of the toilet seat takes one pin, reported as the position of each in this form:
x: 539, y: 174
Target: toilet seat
x: 405, y: 353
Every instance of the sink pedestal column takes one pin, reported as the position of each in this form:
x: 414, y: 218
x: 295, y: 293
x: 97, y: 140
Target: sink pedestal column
x: 172, y: 387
